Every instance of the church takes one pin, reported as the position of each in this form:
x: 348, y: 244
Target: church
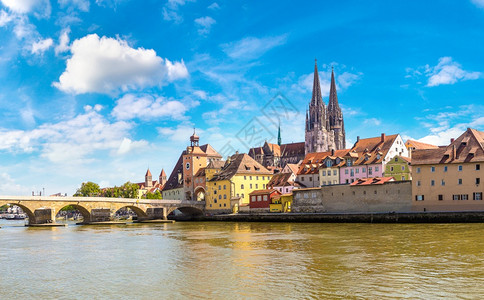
x: 325, y: 130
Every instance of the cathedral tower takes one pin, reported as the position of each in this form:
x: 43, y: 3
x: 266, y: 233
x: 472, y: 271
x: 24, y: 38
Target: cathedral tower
x: 335, y: 117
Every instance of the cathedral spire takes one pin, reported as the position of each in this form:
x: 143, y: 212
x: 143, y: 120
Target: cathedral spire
x: 279, y: 140
x: 316, y: 98
x: 333, y: 96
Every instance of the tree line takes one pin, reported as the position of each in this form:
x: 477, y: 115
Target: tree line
x: 127, y: 190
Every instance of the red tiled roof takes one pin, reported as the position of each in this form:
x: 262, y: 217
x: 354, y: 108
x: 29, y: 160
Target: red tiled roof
x: 264, y: 192
x: 369, y: 149
x: 281, y: 179
x: 372, y: 181
x: 313, y: 161
x: 419, y: 145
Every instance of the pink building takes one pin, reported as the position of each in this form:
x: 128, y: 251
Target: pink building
x: 368, y: 157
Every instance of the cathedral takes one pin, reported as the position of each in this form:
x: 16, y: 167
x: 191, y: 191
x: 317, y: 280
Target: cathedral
x: 325, y: 130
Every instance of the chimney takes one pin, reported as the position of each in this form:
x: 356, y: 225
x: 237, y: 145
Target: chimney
x: 332, y: 152
x: 454, y: 152
x: 452, y: 140
x: 357, y: 139
x: 382, y: 137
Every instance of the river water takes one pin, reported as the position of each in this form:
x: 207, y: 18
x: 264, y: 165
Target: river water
x: 210, y: 260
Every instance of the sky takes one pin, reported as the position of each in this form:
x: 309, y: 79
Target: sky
x: 101, y: 90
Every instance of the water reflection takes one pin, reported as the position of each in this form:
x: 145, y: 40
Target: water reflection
x: 243, y: 260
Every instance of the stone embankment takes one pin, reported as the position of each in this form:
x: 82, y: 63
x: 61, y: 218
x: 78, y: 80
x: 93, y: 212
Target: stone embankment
x: 408, y: 217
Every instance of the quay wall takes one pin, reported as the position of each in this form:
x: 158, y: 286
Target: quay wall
x: 395, y: 196
x: 408, y: 217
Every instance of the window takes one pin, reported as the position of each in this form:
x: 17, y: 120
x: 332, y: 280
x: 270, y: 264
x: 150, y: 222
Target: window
x: 432, y: 169
x: 377, y: 169
x: 464, y: 197
x: 478, y: 167
x: 302, y: 178
x: 334, y: 172
x: 357, y: 170
x: 241, y: 186
x: 418, y: 183
x: 265, y: 198
x: 256, y: 185
x: 225, y: 204
x: 478, y: 181
x: 187, y: 166
x: 442, y: 182
x: 455, y: 197
x: 225, y: 187
x: 445, y: 168
x: 250, y: 177
x: 403, y: 168
x: 219, y: 187
x: 363, y: 170
x: 215, y: 192
x: 346, y: 171
x: 370, y: 171
x: 419, y: 197
x: 310, y: 178
x: 396, y: 159
x: 256, y: 177
x: 432, y: 182
x: 324, y: 173
x: 441, y: 197
x: 324, y: 182
x: 245, y: 177
x: 477, y: 196
x: 403, y: 177
x: 352, y: 173
x: 259, y: 198
x: 459, y: 168
x: 391, y: 169
x: 225, y: 196
x: 263, y: 178
x: 264, y: 186
x: 335, y: 182
x: 418, y: 170
x: 220, y: 197
x: 460, y: 181
x: 251, y: 185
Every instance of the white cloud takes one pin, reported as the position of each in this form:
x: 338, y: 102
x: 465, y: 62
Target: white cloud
x: 82, y: 5
x: 447, y: 71
x: 147, y: 107
x: 181, y: 133
x: 252, y: 47
x: 204, y: 24
x: 128, y: 145
x: 63, y: 45
x: 41, y: 46
x: 347, y: 79
x: 214, y: 6
x: 107, y: 65
x: 478, y: 3
x: 344, y: 81
x: 20, y: 6
x: 5, y: 18
x: 72, y: 141
x: 171, y: 10
x: 9, y: 186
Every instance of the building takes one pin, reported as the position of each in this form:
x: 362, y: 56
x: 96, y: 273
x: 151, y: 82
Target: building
x: 230, y: 187
x: 274, y: 155
x: 150, y: 185
x: 203, y: 175
x: 368, y: 157
x: 415, y: 145
x: 329, y: 170
x: 308, y: 173
x: 448, y: 178
x: 260, y: 200
x: 283, y: 182
x: 399, y: 167
x: 324, y: 127
x: 181, y: 184
x: 281, y: 203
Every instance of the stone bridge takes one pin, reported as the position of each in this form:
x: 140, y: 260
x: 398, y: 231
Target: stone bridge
x: 41, y: 209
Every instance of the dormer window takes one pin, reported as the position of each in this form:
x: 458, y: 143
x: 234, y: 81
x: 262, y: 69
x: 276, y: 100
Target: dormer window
x: 378, y: 156
x: 349, y: 162
x: 329, y: 163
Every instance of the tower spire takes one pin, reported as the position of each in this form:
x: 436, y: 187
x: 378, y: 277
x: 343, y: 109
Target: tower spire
x: 316, y: 98
x: 279, y: 141
x: 333, y: 96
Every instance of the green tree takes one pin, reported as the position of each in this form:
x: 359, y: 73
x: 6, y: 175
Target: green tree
x: 155, y: 195
x: 88, y: 189
x: 129, y: 190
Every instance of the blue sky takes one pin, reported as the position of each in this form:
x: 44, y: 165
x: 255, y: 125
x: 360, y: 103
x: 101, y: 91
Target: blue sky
x: 100, y: 90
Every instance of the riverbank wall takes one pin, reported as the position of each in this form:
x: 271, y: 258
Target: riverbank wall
x: 406, y: 217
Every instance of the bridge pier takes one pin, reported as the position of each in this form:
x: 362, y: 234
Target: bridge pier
x: 156, y: 213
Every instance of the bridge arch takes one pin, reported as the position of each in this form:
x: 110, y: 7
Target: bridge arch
x: 86, y: 215
x: 189, y: 211
x: 199, y: 194
x: 139, y: 211
x: 26, y: 210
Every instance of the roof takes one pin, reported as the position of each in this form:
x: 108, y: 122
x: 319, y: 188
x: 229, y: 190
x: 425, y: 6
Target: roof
x: 373, y: 150
x: 210, y: 151
x: 264, y: 192
x: 148, y: 173
x: 200, y: 173
x: 407, y: 159
x: 372, y: 181
x: 276, y: 150
x: 281, y: 179
x: 240, y: 164
x: 162, y: 173
x: 468, y: 147
x: 419, y: 145
x: 172, y: 182
x: 313, y: 161
x: 216, y: 164
x: 293, y: 167
x: 293, y: 149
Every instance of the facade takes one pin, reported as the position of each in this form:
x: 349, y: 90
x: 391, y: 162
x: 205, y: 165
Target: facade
x: 324, y: 127
x: 274, y: 155
x: 329, y: 170
x: 151, y: 186
x: 308, y: 174
x: 281, y: 203
x: 230, y: 187
x: 399, y: 168
x: 368, y: 157
x: 382, y: 196
x: 181, y: 184
x: 283, y: 182
x: 260, y: 200
x: 449, y: 178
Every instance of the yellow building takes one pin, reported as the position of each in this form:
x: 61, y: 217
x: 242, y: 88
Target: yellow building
x: 281, y: 203
x: 231, y: 186
x: 449, y: 178
x: 329, y: 170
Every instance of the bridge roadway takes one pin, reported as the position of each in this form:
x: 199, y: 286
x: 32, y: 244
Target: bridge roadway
x: 42, y: 210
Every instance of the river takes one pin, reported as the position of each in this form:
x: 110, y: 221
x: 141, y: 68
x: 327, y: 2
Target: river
x: 210, y: 260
